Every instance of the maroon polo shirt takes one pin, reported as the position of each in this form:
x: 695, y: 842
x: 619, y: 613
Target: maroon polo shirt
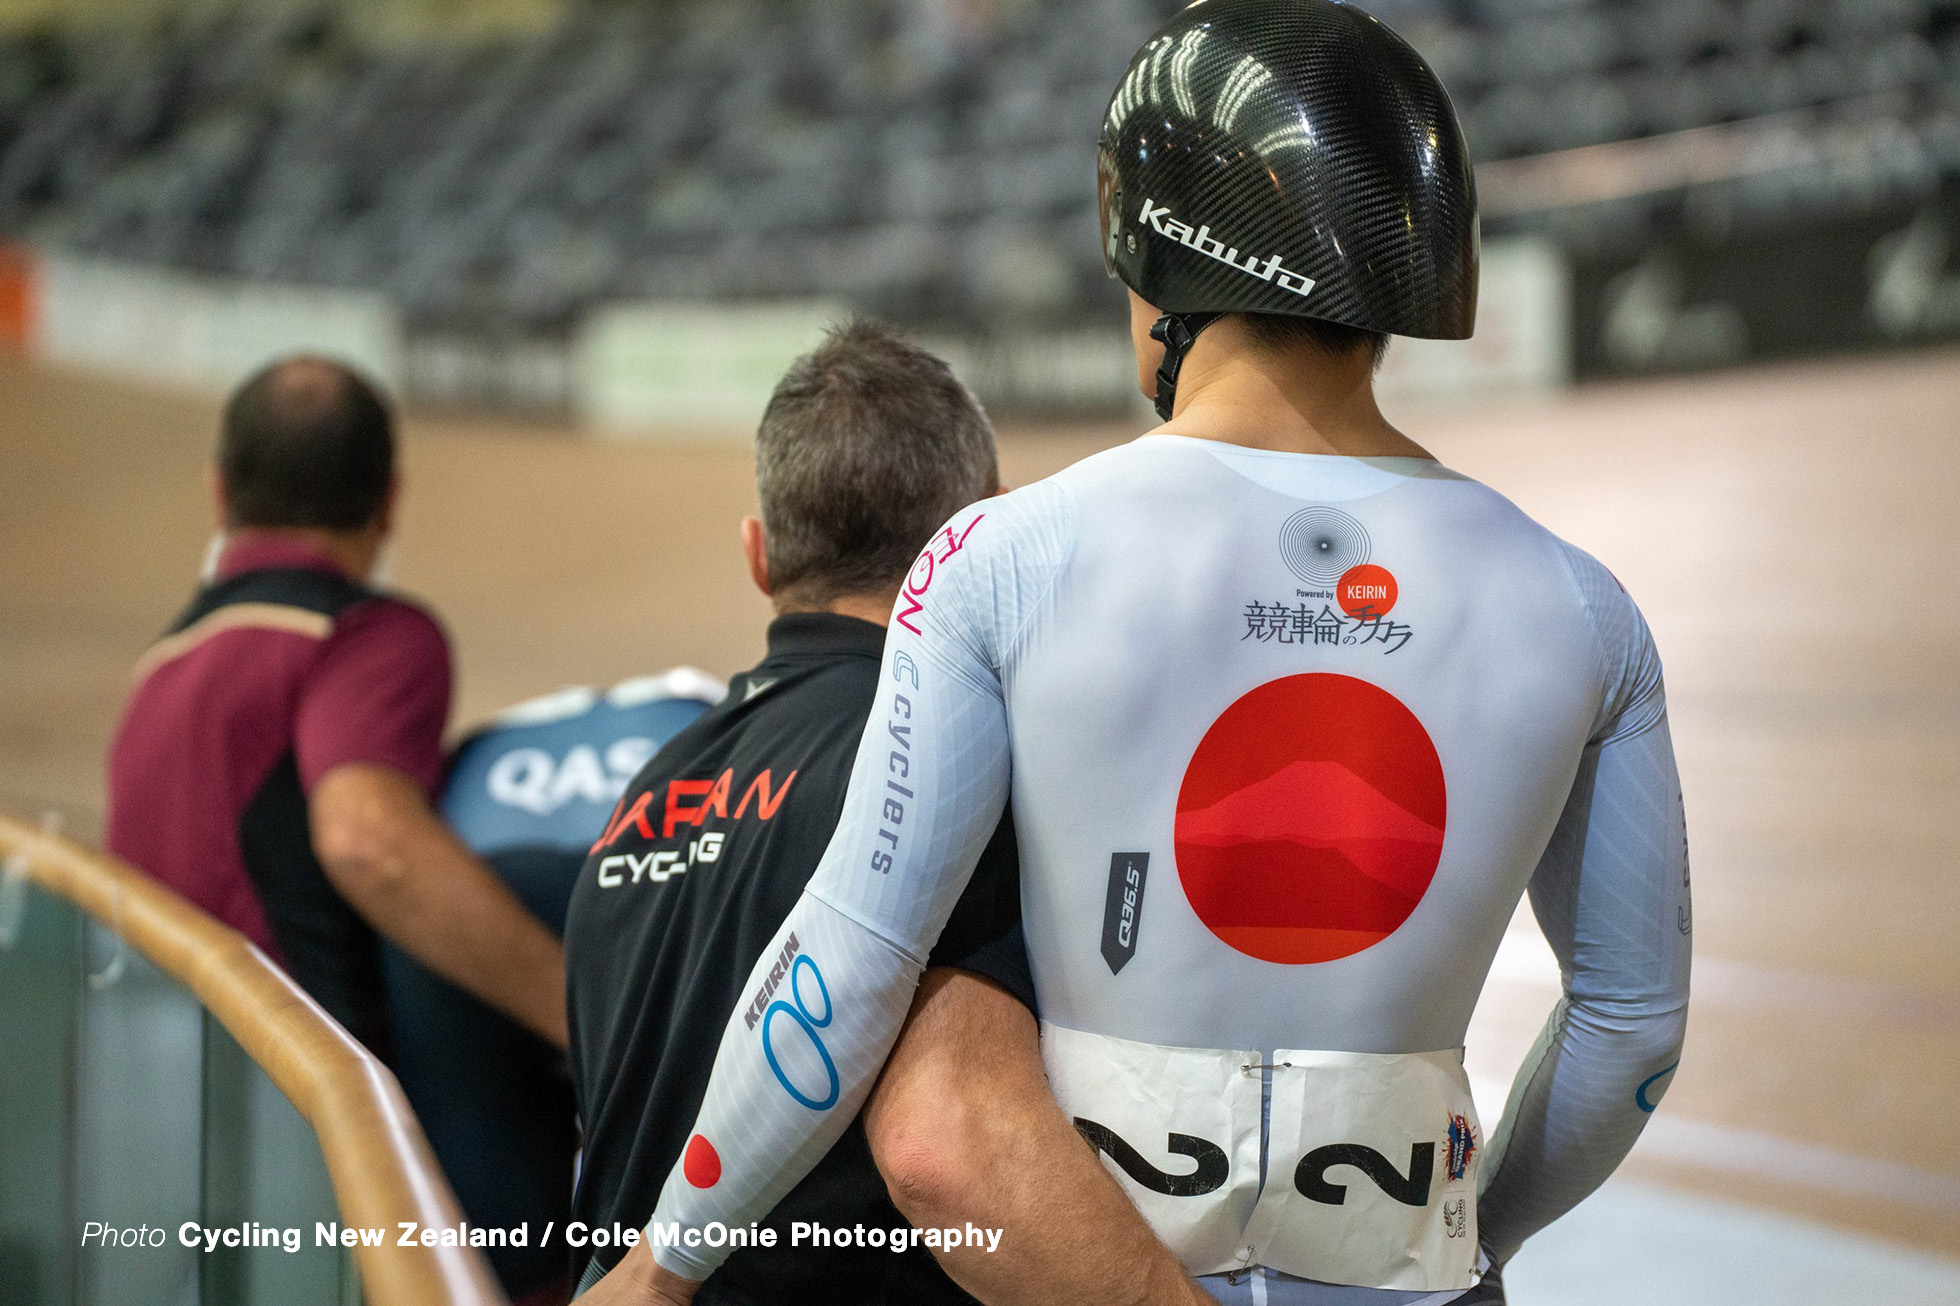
x: 281, y: 669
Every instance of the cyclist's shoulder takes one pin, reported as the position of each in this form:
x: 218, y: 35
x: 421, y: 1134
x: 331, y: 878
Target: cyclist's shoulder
x: 1147, y: 465
x: 988, y: 569
x: 1484, y: 510
x: 1598, y: 589
x: 1629, y: 663
x: 1488, y: 526
x: 1029, y: 526
x: 1478, y: 504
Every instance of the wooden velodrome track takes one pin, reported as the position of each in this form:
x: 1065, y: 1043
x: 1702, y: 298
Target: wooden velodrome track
x: 1792, y: 533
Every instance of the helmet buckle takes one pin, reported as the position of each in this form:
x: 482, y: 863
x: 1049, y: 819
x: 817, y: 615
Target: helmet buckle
x: 1177, y: 332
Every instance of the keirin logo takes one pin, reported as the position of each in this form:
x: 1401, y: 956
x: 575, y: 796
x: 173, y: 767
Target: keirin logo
x: 1160, y: 220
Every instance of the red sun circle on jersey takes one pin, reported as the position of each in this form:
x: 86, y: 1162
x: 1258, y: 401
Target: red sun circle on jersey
x: 701, y: 1163
x: 1310, y: 820
x: 1366, y: 591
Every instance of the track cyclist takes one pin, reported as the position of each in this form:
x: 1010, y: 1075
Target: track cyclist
x: 1291, y: 716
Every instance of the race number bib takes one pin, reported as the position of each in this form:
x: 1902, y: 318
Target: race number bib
x: 1373, y: 1177
x: 1371, y: 1173
x: 1178, y: 1127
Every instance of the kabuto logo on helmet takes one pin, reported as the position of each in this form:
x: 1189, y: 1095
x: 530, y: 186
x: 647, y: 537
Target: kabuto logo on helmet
x: 1159, y: 220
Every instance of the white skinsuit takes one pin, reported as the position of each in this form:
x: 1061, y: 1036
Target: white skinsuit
x: 1287, y: 737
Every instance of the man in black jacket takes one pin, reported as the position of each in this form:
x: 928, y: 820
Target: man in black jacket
x: 716, y: 837
x: 868, y: 445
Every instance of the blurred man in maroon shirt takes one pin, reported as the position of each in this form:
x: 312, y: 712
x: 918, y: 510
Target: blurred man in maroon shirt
x: 277, y: 757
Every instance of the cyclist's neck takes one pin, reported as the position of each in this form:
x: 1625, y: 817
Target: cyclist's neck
x: 1301, y: 401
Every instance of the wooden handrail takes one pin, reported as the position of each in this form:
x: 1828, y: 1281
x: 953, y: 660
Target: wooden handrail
x: 380, y: 1164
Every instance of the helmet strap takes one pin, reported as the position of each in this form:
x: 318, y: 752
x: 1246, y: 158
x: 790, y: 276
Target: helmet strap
x: 1177, y: 332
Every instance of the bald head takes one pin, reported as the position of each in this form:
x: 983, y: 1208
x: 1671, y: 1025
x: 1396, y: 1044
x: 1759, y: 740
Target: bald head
x: 306, y: 443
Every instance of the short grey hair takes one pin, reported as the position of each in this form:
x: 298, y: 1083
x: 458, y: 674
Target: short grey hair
x: 868, y: 445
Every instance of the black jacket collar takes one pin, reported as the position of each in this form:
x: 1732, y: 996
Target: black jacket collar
x: 824, y: 634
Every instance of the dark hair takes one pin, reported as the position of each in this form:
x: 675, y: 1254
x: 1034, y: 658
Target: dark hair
x: 1279, y: 332
x: 306, y: 442
x: 868, y: 445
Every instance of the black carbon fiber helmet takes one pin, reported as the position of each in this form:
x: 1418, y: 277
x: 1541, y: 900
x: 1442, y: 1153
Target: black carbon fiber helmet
x: 1293, y: 157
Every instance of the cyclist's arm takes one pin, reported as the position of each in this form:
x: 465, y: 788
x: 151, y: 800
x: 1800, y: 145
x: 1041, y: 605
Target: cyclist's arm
x: 1611, y: 894
x: 966, y: 1131
x: 799, y: 1056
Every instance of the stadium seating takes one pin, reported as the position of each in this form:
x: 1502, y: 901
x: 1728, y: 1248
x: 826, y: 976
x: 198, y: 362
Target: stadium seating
x: 902, y: 156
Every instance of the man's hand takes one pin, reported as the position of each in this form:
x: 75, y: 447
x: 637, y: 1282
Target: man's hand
x: 407, y: 873
x: 964, y: 1128
x: 639, y: 1280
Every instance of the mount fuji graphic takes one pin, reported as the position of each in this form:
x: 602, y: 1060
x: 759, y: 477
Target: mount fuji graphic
x: 1308, y: 864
